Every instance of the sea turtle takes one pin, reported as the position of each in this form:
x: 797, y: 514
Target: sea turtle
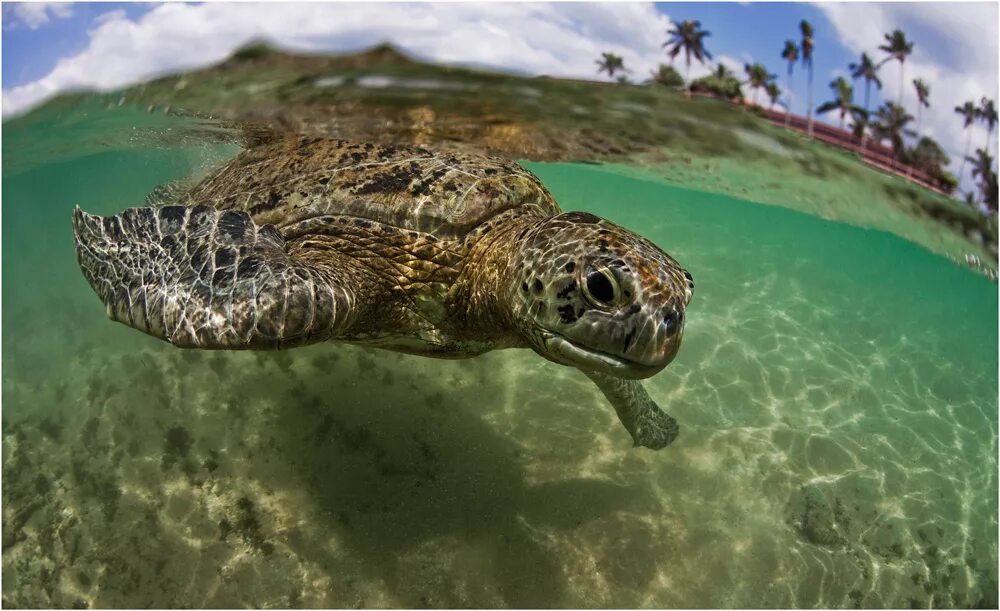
x: 300, y: 240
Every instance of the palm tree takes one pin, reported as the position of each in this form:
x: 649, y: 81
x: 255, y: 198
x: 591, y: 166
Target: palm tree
x: 773, y: 92
x: 807, y: 60
x: 969, y: 113
x: 790, y: 54
x: 990, y: 191
x: 891, y: 123
x: 982, y: 168
x: 988, y: 113
x: 982, y: 163
x: 843, y: 100
x: 722, y: 72
x: 758, y: 78
x: 867, y: 70
x: 610, y: 63
x: 898, y: 48
x: 923, y: 93
x: 687, y: 37
x: 859, y: 124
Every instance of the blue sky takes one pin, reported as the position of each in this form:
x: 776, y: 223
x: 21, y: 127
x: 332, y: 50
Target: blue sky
x: 31, y: 53
x: 757, y: 33
x: 741, y: 31
x: 50, y: 47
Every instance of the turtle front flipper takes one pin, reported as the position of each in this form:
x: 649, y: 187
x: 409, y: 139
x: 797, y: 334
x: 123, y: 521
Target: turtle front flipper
x: 648, y: 425
x: 203, y: 278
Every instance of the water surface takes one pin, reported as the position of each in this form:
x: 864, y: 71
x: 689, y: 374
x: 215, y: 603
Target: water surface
x: 837, y: 393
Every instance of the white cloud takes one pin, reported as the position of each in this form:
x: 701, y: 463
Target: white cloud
x: 35, y: 14
x: 957, y: 58
x: 557, y: 39
x: 112, y: 15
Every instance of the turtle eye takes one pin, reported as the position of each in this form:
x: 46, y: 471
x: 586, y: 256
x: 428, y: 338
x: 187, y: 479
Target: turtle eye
x: 601, y: 287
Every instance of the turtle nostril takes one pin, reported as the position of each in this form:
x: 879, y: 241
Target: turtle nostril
x: 672, y: 321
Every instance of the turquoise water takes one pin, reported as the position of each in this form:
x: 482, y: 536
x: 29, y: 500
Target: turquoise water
x: 837, y: 393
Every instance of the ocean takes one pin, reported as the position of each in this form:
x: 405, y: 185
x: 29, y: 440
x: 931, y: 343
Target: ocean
x: 836, y: 392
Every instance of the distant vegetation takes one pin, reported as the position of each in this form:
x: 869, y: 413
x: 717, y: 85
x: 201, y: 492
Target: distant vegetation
x: 257, y: 49
x: 891, y: 121
x: 666, y: 75
x: 720, y: 83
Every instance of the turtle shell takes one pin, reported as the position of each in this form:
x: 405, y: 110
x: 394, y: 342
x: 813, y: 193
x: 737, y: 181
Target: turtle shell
x: 294, y: 179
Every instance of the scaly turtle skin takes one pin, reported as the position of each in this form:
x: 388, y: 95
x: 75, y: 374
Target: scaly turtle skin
x: 303, y: 240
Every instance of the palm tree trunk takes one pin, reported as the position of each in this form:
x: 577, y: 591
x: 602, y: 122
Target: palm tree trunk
x: 901, y: 80
x: 909, y: 168
x: 788, y: 108
x: 864, y: 131
x: 968, y: 142
x: 687, y: 77
x: 810, y: 101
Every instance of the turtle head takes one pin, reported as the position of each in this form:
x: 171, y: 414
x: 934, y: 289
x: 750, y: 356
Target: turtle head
x: 598, y: 297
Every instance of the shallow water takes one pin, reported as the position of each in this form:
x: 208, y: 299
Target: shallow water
x: 837, y: 393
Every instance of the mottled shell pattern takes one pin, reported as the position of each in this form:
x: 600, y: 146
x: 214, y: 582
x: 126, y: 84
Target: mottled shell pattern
x: 295, y: 178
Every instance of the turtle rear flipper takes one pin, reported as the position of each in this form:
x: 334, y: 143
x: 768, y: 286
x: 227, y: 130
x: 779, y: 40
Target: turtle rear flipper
x: 203, y: 278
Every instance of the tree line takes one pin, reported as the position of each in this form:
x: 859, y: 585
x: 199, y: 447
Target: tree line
x: 890, y: 122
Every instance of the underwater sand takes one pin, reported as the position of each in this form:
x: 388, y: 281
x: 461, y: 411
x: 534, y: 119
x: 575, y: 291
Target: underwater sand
x: 836, y: 390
